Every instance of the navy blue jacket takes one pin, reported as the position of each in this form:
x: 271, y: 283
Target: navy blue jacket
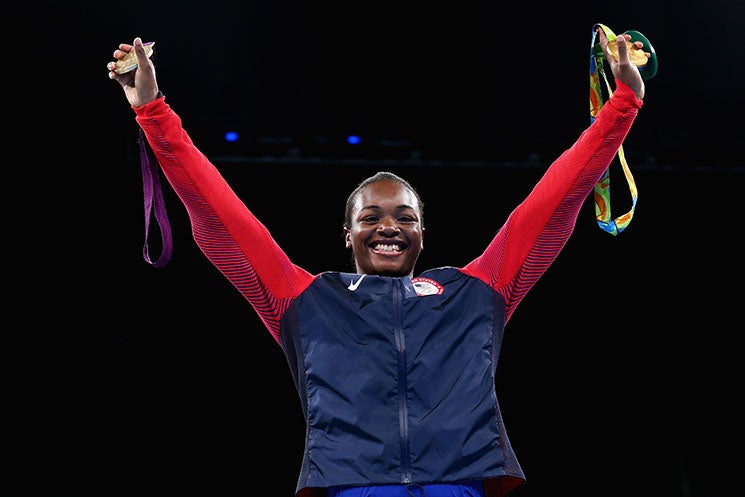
x: 396, y: 386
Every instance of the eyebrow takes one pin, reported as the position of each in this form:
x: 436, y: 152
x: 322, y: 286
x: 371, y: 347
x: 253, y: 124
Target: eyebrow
x: 398, y: 207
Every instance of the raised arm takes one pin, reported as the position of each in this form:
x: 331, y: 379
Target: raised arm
x: 538, y: 228
x: 226, y: 231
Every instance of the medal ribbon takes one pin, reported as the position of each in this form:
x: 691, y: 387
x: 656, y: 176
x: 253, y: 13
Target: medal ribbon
x: 602, y: 187
x: 154, y: 205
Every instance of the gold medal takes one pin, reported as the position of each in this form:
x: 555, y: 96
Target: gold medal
x: 129, y: 61
x: 636, y: 55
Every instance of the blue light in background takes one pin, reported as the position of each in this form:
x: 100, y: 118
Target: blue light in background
x: 353, y: 140
x: 231, y: 136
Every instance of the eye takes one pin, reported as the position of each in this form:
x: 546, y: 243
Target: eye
x: 407, y: 219
x: 371, y: 219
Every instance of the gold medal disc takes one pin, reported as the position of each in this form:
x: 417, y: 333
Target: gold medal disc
x: 636, y: 55
x: 129, y: 61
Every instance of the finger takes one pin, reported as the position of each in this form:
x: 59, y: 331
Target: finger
x: 119, y: 54
x: 638, y: 45
x: 603, y: 38
x: 623, y: 53
x: 124, y: 49
x: 143, y: 52
x: 140, y: 52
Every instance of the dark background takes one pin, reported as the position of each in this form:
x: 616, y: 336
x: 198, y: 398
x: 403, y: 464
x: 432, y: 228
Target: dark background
x: 620, y: 372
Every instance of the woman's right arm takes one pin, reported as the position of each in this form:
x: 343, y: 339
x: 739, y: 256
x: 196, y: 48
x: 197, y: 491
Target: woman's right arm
x: 226, y: 231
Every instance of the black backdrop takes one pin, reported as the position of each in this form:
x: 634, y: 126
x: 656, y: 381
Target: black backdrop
x: 619, y: 372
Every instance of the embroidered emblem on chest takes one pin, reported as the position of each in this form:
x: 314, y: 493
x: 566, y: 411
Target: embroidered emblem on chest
x: 426, y: 286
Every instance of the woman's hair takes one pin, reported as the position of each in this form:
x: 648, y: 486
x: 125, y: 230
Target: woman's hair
x: 375, y: 178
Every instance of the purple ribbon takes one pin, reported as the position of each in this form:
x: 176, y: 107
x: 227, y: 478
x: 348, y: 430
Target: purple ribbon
x: 154, y: 200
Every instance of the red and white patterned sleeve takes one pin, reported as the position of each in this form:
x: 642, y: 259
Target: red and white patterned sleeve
x: 538, y: 228
x: 226, y: 231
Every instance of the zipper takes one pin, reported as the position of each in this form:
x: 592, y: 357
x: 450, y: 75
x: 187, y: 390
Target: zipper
x: 403, y: 411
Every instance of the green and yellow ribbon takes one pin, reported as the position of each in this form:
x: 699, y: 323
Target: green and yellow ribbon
x: 597, y: 72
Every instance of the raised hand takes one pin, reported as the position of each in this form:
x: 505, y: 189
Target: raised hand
x: 622, y: 68
x: 140, y: 84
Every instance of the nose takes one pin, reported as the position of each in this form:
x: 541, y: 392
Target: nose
x: 388, y: 228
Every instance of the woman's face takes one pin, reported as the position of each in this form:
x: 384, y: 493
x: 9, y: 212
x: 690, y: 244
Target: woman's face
x: 386, y: 234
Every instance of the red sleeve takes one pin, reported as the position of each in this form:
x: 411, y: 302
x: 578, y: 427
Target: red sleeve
x: 231, y: 237
x: 538, y: 228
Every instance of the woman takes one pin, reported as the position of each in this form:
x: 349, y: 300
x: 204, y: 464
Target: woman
x: 395, y: 372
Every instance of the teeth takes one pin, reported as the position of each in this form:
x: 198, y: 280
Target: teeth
x: 387, y: 248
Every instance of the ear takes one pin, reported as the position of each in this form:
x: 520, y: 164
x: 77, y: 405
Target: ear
x: 347, y: 238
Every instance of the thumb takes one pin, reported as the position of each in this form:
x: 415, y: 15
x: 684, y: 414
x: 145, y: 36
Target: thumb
x: 145, y: 82
x: 623, y: 52
x: 140, y: 52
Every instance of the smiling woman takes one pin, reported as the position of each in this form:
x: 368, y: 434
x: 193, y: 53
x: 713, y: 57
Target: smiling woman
x: 394, y: 368
x: 383, y: 226
x: 123, y: 379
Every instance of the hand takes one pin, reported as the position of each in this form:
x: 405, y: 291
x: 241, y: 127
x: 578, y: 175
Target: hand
x: 623, y: 69
x: 140, y: 85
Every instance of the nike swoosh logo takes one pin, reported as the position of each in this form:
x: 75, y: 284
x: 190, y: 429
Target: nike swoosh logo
x: 354, y: 284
